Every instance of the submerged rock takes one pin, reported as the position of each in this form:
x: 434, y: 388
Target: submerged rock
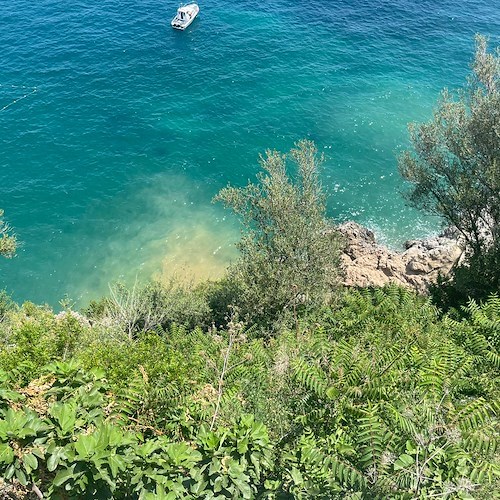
x: 368, y: 263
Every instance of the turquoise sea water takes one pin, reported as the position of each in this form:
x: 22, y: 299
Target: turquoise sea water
x: 116, y: 131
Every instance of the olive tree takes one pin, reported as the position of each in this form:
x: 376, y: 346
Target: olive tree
x: 289, y: 252
x: 453, y: 167
x: 454, y: 162
x: 8, y: 242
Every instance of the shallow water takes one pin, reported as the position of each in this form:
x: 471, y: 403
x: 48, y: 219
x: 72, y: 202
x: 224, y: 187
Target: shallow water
x: 116, y: 131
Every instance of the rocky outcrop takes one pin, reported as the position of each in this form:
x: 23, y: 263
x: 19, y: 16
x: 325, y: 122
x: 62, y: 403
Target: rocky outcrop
x: 367, y: 263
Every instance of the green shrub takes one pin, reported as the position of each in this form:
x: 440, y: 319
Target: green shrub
x: 290, y: 252
x: 6, y: 305
x: 8, y: 240
x: 476, y: 279
x: 378, y: 398
x: 153, y: 356
x: 33, y: 336
x: 144, y: 308
x: 220, y: 295
x: 453, y: 168
x: 71, y: 438
x: 400, y: 406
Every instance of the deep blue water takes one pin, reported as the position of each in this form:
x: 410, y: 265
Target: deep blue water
x: 116, y: 131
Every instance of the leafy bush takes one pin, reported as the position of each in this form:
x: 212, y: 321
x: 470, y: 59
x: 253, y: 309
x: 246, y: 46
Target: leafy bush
x: 8, y: 240
x: 6, y: 305
x: 33, y: 336
x: 122, y: 359
x: 398, y: 410
x: 476, y: 279
x: 144, y: 308
x: 221, y: 296
x: 290, y: 253
x: 454, y: 171
x: 379, y: 397
x: 70, y: 437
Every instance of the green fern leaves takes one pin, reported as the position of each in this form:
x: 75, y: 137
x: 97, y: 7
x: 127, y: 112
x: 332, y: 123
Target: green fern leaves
x: 405, y: 389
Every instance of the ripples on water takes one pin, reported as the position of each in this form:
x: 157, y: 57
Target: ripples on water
x: 129, y: 128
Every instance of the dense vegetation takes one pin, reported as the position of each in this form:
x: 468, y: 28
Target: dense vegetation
x: 377, y: 396
x: 274, y: 382
x: 454, y: 171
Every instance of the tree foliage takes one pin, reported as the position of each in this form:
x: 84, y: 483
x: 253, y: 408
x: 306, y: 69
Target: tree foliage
x: 8, y: 241
x: 289, y: 250
x: 454, y: 168
x: 454, y: 165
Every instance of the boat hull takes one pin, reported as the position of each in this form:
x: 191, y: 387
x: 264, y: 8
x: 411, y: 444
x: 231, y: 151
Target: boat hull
x: 190, y: 12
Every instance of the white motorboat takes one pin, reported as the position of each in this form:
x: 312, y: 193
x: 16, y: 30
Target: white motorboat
x: 185, y: 16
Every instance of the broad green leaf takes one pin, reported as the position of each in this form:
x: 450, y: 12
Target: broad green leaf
x: 116, y: 437
x: 64, y: 475
x: 218, y: 484
x: 21, y: 477
x: 57, y: 455
x: 38, y: 452
x: 244, y: 488
x: 85, y: 445
x: 403, y: 461
x: 30, y: 462
x: 180, y: 453
x: 235, y: 469
x: 255, y: 459
x: 7, y: 394
x: 215, y: 466
x: 242, y: 446
x: 411, y: 448
x: 9, y: 471
x: 147, y: 448
x: 296, y: 476
x: 259, y: 433
x: 65, y: 415
x: 6, y: 454
x: 199, y: 487
x: 102, y: 436
x: 116, y: 463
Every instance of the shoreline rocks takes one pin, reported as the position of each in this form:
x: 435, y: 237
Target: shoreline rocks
x: 367, y: 263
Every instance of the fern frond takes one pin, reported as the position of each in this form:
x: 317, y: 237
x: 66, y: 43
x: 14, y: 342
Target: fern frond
x: 484, y: 471
x: 311, y: 377
x: 484, y: 440
x: 371, y: 437
x: 403, y: 423
x: 474, y: 415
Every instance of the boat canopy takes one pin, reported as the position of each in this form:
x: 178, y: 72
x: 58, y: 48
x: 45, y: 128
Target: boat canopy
x: 183, y: 10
